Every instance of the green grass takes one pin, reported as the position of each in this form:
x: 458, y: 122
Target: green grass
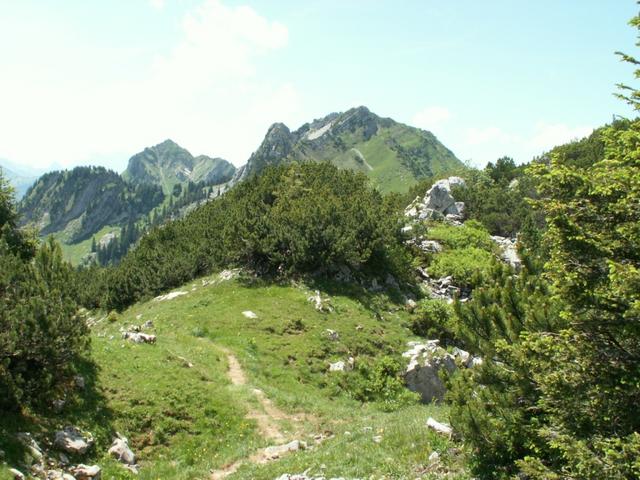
x: 182, y: 422
x: 74, y: 252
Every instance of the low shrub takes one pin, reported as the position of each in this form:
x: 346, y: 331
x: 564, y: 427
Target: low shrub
x: 462, y: 264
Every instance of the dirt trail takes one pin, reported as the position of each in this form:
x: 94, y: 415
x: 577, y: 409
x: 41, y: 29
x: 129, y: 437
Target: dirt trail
x: 267, y: 419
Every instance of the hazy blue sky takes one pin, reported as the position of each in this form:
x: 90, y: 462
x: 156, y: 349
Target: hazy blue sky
x: 85, y: 81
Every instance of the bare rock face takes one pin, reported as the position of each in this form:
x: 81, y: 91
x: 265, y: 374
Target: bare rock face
x: 438, y: 203
x: 423, y: 372
x: 426, y: 362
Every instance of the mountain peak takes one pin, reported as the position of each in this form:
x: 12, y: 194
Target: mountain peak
x: 393, y: 155
x: 168, y: 163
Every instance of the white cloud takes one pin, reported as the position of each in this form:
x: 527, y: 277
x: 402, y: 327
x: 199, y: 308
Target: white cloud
x: 431, y: 118
x: 205, y: 92
x: 485, y: 144
x: 549, y: 135
x: 491, y: 134
x: 157, y: 4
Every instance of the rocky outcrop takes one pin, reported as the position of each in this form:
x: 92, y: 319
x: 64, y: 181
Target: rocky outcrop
x: 438, y: 203
x: 508, y: 251
x: 427, y: 363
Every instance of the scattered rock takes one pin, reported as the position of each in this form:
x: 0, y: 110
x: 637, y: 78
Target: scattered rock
x: 148, y: 324
x: 434, y: 457
x: 332, y: 335
x: 79, y: 382
x: 120, y: 451
x: 86, y: 472
x: 278, y: 450
x: 430, y: 246
x: 249, y: 314
x: 341, y: 366
x: 320, y: 304
x: 508, y: 251
x: 377, y: 439
x: 137, y: 337
x: 71, y: 440
x: 410, y: 304
x: 58, y: 405
x: 17, y: 474
x: 169, y: 296
x: 226, y: 275
x: 34, y: 449
x: 439, y: 427
x: 59, y: 475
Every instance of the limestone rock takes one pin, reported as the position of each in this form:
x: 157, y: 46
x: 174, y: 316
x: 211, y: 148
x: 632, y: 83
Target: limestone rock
x: 422, y: 376
x: 32, y: 446
x: 120, y: 451
x: 426, y: 361
x: 17, y: 474
x: 332, y: 335
x: 87, y: 472
x: 59, y: 475
x: 169, y: 296
x: 321, y: 305
x: 438, y: 202
x: 249, y: 314
x: 508, y: 251
x: 277, y: 451
x: 439, y: 427
x: 342, y: 366
x: 137, y: 337
x: 72, y: 440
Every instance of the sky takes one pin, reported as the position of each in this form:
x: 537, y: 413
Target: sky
x: 93, y: 82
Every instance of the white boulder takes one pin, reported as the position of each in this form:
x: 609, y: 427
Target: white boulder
x: 72, y: 440
x: 120, y: 451
x: 439, y: 427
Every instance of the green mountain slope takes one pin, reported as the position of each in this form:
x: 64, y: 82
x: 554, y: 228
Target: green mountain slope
x: 82, y: 201
x: 395, y: 156
x: 186, y: 418
x: 167, y: 164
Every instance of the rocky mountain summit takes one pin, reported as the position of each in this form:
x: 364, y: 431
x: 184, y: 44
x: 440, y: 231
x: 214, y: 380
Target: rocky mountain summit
x: 393, y: 155
x: 167, y: 164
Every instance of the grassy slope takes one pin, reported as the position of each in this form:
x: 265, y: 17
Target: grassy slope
x: 387, y: 172
x: 73, y: 252
x: 182, y: 421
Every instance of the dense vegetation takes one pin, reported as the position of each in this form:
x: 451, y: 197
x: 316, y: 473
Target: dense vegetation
x: 41, y: 336
x: 556, y: 395
x: 272, y: 224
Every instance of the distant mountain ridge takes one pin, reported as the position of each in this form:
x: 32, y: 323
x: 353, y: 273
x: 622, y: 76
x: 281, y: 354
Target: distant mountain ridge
x: 20, y: 178
x: 167, y: 164
x: 78, y: 203
x: 393, y: 155
x: 165, y: 181
x: 83, y: 200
